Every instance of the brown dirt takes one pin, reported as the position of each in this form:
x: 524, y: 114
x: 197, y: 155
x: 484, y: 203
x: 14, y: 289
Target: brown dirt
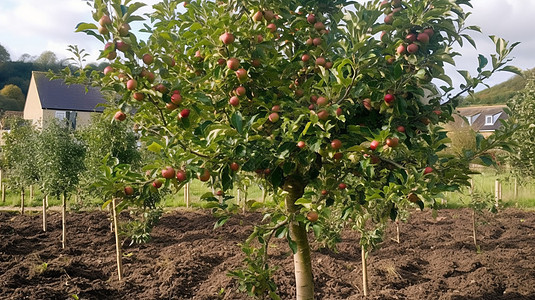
x: 188, y: 260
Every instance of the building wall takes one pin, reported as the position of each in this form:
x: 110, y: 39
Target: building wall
x: 83, y: 118
x: 32, y: 108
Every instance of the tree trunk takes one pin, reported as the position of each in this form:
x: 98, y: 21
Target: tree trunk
x: 45, y: 200
x: 117, y: 241
x: 3, y: 193
x: 22, y: 201
x: 364, y: 272
x: 515, y: 193
x: 474, y: 230
x: 31, y: 193
x: 302, y: 260
x: 63, y: 221
x: 244, y: 208
x: 397, y: 231
x: 496, y: 193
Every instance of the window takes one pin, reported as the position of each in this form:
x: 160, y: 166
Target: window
x: 489, y: 120
x: 60, y: 115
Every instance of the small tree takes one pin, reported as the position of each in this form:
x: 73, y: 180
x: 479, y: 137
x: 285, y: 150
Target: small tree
x: 20, y: 151
x: 307, y: 94
x: 61, y: 160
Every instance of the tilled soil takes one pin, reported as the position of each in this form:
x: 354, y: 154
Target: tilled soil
x: 187, y: 259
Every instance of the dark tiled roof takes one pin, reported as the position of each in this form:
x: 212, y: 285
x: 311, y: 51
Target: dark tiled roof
x: 483, y: 111
x: 55, y: 94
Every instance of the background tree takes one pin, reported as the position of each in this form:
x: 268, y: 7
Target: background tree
x: 12, y: 91
x: 306, y: 95
x: 4, y: 55
x: 522, y: 106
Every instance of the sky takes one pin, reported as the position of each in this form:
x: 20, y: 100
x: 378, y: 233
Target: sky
x: 33, y: 26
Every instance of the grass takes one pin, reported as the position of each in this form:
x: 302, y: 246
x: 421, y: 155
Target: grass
x: 483, y: 183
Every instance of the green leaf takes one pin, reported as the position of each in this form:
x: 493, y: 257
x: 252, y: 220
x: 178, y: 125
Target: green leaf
x: 221, y: 221
x: 292, y: 244
x: 237, y: 121
x: 85, y: 26
x: 301, y: 201
x: 154, y: 147
x: 277, y: 177
x: 512, y: 69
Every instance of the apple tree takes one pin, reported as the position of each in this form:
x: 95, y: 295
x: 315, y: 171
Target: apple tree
x: 333, y: 104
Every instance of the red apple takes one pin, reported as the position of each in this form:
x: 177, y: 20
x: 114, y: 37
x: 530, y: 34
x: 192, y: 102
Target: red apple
x: 234, y: 166
x: 184, y: 113
x: 316, y: 41
x: 336, y: 144
x: 342, y: 186
x: 234, y: 101
x: 256, y: 63
x: 338, y: 155
x: 124, y: 29
x: 309, y: 42
x: 305, y: 57
x: 259, y: 38
x: 233, y: 63
x: 181, y: 175
x: 112, y: 55
x: 139, y: 96
x: 205, y: 176
x: 401, y: 128
x: 319, y: 26
x: 241, y: 74
x: 324, y: 192
x: 401, y: 49
x: 339, y: 111
x: 312, y: 216
x: 389, y: 19
x: 227, y: 38
x: 148, y: 59
x: 392, y: 142
x: 429, y: 31
x: 276, y: 108
x: 322, y: 101
x: 423, y: 38
x: 411, y: 37
x: 119, y: 116
x: 367, y: 103
x: 168, y: 172
x: 328, y: 65
x: 157, y: 183
x: 131, y: 84
x: 269, y: 15
x: 176, y: 99
x: 374, y: 144
x: 122, y: 46
x: 428, y: 170
x: 221, y: 61
x: 103, y: 30
x: 107, y: 70
x: 257, y: 17
x: 273, y: 117
x: 171, y: 106
x: 128, y: 190
x: 323, y: 115
x: 104, y: 20
x: 240, y: 91
x: 311, y: 19
x: 412, y: 48
x: 320, y: 61
x: 389, y: 98
x: 301, y: 144
x: 272, y: 27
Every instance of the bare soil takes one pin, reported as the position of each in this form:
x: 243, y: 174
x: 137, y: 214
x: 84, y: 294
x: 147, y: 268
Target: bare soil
x: 187, y: 259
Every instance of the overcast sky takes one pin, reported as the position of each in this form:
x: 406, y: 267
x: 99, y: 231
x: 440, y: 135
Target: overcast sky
x: 34, y: 26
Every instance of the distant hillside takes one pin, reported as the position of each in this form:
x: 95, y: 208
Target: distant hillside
x: 500, y: 93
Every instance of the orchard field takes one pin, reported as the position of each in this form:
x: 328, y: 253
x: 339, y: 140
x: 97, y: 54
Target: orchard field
x: 188, y: 259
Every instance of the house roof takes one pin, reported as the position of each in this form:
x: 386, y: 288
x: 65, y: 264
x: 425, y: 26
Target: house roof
x: 56, y: 94
x: 477, y: 115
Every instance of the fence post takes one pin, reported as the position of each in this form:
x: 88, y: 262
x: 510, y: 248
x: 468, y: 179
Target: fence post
x: 515, y: 191
x: 22, y: 200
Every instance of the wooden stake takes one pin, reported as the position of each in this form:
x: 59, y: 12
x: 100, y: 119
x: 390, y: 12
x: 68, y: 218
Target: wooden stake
x: 238, y: 196
x: 117, y: 241
x: 22, y: 201
x: 244, y: 208
x: 3, y: 193
x: 186, y: 194
x: 515, y: 192
x: 31, y: 193
x: 45, y: 200
x: 63, y: 221
x: 474, y: 231
x: 364, y: 272
x: 496, y: 192
x: 397, y: 231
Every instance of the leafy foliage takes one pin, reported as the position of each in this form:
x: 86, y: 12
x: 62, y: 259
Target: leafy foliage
x: 306, y: 94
